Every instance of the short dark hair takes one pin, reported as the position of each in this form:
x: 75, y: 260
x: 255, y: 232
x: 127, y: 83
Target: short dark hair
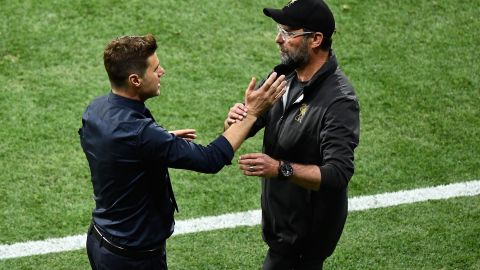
x: 326, y: 43
x: 128, y: 55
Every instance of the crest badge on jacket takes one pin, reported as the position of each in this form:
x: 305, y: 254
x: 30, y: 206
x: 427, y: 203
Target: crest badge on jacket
x: 301, y: 112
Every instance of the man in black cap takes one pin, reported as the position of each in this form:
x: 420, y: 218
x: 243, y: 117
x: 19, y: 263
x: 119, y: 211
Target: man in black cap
x: 309, y: 142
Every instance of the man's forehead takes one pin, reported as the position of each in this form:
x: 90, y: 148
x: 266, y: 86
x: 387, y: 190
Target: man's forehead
x: 154, y: 59
x: 288, y: 28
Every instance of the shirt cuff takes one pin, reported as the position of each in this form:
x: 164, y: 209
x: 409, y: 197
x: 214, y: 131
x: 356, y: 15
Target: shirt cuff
x: 225, y: 147
x: 328, y: 176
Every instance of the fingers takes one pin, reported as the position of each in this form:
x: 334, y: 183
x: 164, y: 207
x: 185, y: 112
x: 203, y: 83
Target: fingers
x: 252, y: 170
x: 251, y: 86
x: 239, y: 108
x: 245, y: 159
x: 257, y: 168
x: 273, y: 82
x: 234, y: 117
x: 258, y: 164
x: 275, y: 87
x: 269, y: 81
x: 182, y: 132
x: 251, y: 162
x: 237, y: 113
x: 251, y: 166
x: 280, y: 90
x: 190, y: 136
x: 189, y: 139
x: 188, y: 131
x: 187, y: 134
x: 260, y: 100
x: 278, y: 82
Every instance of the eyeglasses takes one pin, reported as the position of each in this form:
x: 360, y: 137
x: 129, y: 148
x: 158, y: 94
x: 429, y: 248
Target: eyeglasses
x: 287, y: 35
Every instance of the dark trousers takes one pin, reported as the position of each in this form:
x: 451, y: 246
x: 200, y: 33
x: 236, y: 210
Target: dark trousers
x: 276, y: 261
x: 102, y: 259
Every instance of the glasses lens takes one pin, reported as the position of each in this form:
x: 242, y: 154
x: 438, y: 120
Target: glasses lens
x: 283, y: 33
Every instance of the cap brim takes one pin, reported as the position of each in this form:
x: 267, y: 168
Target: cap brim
x: 278, y: 16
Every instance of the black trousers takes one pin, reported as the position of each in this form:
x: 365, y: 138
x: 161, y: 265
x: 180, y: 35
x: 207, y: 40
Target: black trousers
x: 102, y: 259
x: 276, y: 261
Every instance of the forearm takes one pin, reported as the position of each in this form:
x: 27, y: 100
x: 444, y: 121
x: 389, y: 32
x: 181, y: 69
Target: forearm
x: 237, y: 132
x: 262, y: 165
x: 306, y: 176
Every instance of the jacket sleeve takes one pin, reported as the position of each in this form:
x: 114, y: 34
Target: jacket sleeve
x: 340, y: 136
x: 166, y: 149
x: 258, y: 125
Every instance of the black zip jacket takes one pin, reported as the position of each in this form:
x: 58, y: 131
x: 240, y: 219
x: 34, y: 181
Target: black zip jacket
x: 319, y: 125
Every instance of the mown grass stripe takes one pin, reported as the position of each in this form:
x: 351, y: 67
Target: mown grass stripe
x: 252, y: 218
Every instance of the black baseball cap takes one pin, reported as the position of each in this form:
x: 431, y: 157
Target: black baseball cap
x: 313, y: 15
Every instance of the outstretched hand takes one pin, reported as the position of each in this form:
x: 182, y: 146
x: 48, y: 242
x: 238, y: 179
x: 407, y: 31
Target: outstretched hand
x: 187, y: 134
x: 258, y: 101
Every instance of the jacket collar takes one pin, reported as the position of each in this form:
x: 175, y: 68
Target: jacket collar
x: 127, y: 102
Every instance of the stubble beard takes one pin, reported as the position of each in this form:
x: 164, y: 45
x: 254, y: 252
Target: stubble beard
x: 297, y: 58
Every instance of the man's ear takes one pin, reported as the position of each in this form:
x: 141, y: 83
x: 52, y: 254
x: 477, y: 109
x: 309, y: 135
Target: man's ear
x: 317, y: 39
x: 134, y: 80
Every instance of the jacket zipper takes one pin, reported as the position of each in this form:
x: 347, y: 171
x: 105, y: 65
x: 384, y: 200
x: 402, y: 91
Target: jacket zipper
x: 281, y: 121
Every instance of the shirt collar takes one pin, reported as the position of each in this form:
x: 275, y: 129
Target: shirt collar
x: 328, y: 68
x: 127, y: 102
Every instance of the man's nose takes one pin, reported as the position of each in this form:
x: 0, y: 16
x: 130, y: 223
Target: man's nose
x: 279, y: 38
x: 161, y: 72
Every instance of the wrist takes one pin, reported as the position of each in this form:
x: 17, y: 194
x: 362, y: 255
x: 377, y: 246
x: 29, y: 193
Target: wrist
x: 250, y: 117
x: 253, y: 110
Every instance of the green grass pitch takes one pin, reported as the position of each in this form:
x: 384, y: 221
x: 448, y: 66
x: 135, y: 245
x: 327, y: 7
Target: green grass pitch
x: 414, y: 65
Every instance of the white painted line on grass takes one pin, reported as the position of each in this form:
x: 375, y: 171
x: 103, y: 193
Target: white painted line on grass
x: 251, y: 218
x: 51, y: 245
x: 443, y: 192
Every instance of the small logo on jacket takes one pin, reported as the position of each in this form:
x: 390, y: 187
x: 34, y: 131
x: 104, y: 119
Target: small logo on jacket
x: 301, y: 113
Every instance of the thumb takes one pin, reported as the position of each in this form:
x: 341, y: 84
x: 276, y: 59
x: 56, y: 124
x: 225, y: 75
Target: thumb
x: 251, y: 87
